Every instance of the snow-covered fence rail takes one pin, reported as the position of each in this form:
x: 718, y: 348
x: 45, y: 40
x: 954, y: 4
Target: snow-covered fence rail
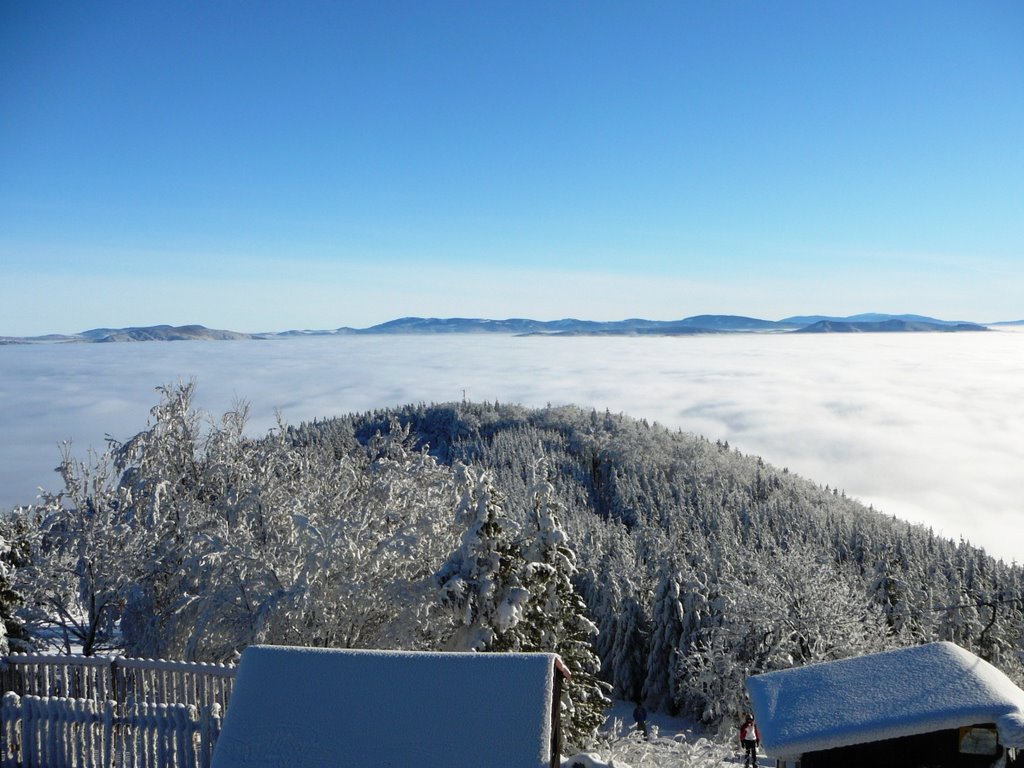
x: 181, y: 682
x: 58, y: 732
x: 80, y: 677
x: 127, y: 681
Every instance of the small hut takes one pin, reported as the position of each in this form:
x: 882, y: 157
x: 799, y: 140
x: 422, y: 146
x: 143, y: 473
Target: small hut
x: 300, y: 707
x: 933, y: 705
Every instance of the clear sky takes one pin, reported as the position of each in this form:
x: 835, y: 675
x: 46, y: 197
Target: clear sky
x: 264, y: 166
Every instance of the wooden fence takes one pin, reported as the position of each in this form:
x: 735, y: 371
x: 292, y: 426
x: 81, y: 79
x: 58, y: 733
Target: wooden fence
x: 92, y: 712
x: 128, y: 681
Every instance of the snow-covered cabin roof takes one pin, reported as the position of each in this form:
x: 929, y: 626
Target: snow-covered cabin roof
x: 899, y: 693
x: 315, y: 707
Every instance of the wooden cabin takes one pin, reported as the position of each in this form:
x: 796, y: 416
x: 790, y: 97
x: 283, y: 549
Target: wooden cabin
x: 934, y: 705
x: 320, y: 707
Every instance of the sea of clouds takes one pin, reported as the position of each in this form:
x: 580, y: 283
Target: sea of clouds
x: 927, y: 427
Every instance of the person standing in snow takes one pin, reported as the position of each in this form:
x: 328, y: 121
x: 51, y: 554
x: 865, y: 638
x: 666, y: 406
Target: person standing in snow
x: 640, y: 715
x: 750, y: 738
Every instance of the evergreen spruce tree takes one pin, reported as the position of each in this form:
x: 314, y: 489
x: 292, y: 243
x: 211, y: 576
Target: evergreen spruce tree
x: 478, y: 587
x: 556, y: 618
x: 14, y: 553
x: 9, y: 599
x: 666, y: 630
x: 505, y: 593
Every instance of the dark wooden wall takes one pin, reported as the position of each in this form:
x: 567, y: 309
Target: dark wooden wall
x: 931, y: 750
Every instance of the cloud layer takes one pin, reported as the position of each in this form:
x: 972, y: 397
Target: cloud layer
x: 923, y: 426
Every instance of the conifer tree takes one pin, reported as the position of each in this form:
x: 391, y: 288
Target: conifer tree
x: 478, y: 587
x: 666, y: 630
x: 556, y: 616
x: 14, y: 554
x: 8, y: 597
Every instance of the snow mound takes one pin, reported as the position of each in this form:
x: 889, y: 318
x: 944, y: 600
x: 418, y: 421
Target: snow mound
x: 587, y: 760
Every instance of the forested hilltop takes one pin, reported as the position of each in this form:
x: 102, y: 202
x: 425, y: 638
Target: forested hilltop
x: 701, y: 565
x: 668, y: 566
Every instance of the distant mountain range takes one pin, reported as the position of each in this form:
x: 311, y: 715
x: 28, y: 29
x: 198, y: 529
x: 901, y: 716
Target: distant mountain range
x: 698, y: 324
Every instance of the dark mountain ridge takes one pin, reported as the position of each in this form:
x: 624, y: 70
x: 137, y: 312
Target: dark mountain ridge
x: 147, y: 333
x: 893, y: 325
x: 697, y: 324
x: 165, y: 333
x: 870, y: 317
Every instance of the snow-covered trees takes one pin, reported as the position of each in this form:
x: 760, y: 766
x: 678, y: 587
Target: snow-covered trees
x: 84, y: 555
x: 332, y: 553
x: 479, y: 586
x: 702, y: 514
x: 508, y: 587
x: 800, y: 612
x: 620, y: 596
x: 557, y: 616
x: 667, y: 627
x: 16, y: 535
x: 192, y: 542
x: 698, y: 564
x: 9, y: 599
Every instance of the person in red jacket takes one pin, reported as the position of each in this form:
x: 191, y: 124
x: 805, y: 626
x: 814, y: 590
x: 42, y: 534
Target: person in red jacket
x: 750, y: 738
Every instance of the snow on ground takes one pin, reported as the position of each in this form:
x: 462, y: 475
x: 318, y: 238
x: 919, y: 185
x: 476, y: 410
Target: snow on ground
x: 673, y: 743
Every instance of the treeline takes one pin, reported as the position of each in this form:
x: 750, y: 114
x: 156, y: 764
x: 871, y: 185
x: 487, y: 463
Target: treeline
x: 669, y: 566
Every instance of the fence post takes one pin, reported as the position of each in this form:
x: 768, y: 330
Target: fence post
x: 187, y: 721
x: 51, y: 722
x: 109, y: 712
x: 30, y: 736
x: 210, y: 724
x: 10, y: 739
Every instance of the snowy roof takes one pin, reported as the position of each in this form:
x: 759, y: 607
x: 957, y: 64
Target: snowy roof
x: 888, y: 695
x: 315, y: 707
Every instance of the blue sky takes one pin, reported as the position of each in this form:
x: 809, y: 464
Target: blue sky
x: 263, y: 166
